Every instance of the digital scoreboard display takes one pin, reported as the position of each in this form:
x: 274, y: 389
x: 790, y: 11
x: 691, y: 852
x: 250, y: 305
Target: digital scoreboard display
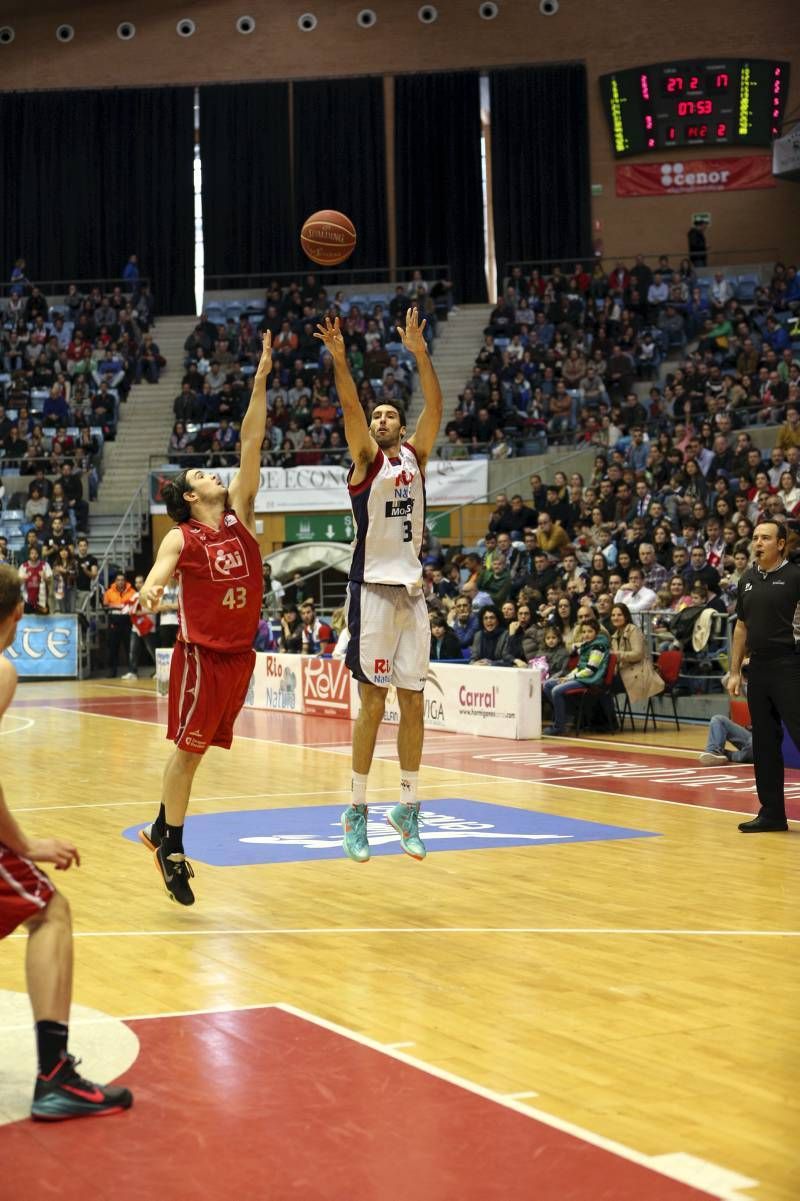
x: 726, y: 102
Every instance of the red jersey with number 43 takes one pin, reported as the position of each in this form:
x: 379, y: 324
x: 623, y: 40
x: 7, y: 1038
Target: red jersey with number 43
x: 220, y: 585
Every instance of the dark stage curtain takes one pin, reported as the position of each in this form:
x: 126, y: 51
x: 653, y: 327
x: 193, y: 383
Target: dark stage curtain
x: 248, y: 225
x: 340, y: 160
x: 91, y: 177
x: 438, y: 177
x: 540, y: 164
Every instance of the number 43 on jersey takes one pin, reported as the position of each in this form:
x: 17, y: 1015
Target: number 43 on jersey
x: 235, y: 598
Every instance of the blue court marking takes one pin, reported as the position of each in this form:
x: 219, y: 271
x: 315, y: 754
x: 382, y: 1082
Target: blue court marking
x: 314, y: 832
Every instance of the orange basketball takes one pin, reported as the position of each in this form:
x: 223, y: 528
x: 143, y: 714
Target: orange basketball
x: 328, y: 237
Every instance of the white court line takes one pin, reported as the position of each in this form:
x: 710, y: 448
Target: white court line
x: 27, y: 722
x: 686, y: 1169
x: 458, y: 771
x: 683, y: 1170
x: 389, y: 744
x: 122, y: 692
x: 398, y: 1046
x: 139, y: 721
x: 329, y: 931
x: 236, y: 796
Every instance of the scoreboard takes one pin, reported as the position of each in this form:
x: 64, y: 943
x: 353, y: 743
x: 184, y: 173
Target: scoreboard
x: 720, y: 102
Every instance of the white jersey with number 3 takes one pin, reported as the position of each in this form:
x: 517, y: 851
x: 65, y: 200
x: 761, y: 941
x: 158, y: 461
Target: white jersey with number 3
x: 389, y: 518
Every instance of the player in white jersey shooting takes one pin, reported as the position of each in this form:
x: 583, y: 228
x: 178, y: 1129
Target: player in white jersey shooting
x: 386, y: 612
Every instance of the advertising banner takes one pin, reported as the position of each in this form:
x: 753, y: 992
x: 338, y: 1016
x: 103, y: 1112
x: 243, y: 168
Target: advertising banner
x: 324, y: 489
x: 163, y: 664
x: 45, y: 646
x: 699, y: 175
x: 326, y: 687
x: 277, y: 683
x: 498, y: 702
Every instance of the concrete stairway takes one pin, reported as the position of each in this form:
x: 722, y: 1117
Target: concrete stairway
x: 454, y: 352
x: 145, y: 424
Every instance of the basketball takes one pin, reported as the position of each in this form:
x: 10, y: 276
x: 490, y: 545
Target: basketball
x: 328, y: 237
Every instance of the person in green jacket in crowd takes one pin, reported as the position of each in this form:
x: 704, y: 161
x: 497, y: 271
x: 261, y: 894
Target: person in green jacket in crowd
x: 593, y: 648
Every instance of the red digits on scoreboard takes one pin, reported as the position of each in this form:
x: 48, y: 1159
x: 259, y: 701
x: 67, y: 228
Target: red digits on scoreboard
x: 722, y: 129
x: 704, y: 107
x: 721, y: 82
x: 675, y: 83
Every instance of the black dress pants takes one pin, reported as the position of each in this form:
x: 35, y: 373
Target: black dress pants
x: 119, y: 632
x: 773, y: 696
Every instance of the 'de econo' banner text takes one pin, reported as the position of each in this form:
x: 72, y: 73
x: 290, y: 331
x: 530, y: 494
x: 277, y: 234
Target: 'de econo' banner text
x: 304, y: 489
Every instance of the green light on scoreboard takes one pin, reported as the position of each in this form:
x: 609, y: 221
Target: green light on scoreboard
x: 745, y: 83
x: 620, y: 141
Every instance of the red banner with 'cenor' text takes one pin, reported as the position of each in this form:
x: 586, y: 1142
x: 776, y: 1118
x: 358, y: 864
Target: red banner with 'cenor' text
x: 699, y: 175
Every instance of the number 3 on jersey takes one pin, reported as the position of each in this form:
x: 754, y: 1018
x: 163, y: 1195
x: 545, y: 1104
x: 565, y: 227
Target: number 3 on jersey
x: 407, y: 531
x: 235, y: 598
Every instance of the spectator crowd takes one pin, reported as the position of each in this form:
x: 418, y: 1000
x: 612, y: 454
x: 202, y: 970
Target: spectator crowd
x: 304, y: 426
x: 563, y: 355
x: 64, y: 370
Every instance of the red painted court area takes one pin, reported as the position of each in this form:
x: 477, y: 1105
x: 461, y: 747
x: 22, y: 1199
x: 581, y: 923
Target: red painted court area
x: 566, y: 762
x: 265, y: 1105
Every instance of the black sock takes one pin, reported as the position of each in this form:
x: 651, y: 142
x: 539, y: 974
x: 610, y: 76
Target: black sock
x: 172, y: 841
x: 161, y: 821
x: 51, y: 1044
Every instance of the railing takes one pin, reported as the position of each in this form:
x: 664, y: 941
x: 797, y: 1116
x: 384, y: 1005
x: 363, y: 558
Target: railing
x: 325, y: 585
x: 720, y: 258
x: 50, y: 287
x: 125, y: 542
x: 341, y: 275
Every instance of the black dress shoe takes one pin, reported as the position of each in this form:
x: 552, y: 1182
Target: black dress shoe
x: 763, y: 825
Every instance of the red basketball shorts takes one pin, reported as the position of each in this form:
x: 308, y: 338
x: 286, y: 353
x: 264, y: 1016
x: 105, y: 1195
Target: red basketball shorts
x: 206, y: 692
x: 25, y: 891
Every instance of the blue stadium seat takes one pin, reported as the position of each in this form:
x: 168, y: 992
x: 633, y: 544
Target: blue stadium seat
x: 746, y: 287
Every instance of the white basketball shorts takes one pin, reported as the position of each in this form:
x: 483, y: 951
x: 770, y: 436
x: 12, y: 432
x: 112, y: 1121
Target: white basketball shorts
x: 390, y: 635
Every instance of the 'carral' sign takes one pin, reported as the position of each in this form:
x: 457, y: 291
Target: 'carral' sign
x: 46, y: 646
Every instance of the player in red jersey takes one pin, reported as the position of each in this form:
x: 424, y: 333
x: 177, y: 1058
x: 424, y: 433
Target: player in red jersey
x: 214, y: 553
x: 29, y: 898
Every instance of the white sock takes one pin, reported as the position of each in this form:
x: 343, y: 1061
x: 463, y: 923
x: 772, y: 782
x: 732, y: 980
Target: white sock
x: 408, y: 787
x: 359, y: 787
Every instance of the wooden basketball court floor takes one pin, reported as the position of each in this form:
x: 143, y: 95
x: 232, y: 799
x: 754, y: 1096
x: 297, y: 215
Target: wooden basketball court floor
x: 588, y: 990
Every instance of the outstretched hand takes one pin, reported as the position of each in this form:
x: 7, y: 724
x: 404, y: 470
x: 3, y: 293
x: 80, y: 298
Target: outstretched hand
x: 412, y: 336
x: 150, y: 597
x: 330, y: 334
x: 265, y: 362
x: 54, y: 850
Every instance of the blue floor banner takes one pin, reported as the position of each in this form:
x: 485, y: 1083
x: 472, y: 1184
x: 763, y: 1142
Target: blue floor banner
x: 249, y: 836
x: 45, y: 646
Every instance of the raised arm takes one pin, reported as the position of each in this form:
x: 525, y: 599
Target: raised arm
x: 162, y: 570
x: 430, y: 419
x: 360, y: 442
x: 244, y: 485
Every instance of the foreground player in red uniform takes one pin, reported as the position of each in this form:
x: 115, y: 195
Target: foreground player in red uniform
x: 28, y: 897
x: 215, y: 555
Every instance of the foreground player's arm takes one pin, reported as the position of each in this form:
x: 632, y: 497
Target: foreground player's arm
x: 430, y: 419
x: 47, y: 850
x: 360, y: 442
x: 738, y: 652
x: 162, y: 570
x: 244, y: 485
